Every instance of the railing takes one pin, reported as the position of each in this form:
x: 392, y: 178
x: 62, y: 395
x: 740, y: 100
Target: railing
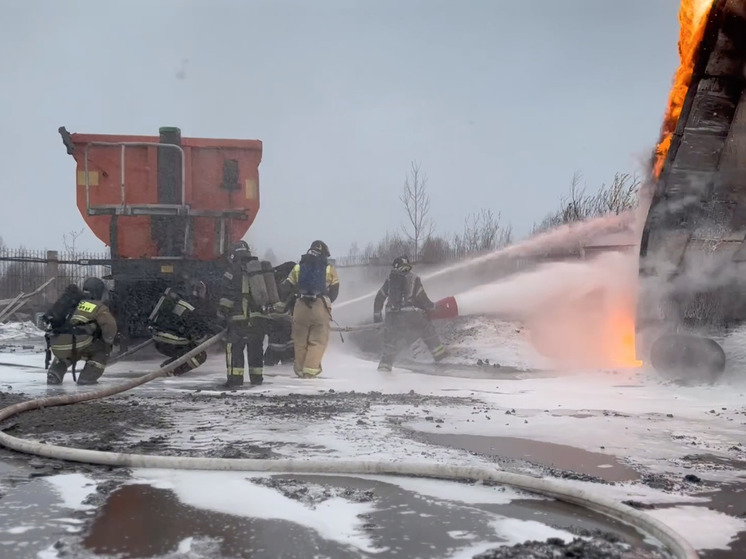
x: 124, y: 146
x: 23, y: 270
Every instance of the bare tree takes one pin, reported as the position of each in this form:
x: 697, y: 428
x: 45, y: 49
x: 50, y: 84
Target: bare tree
x: 482, y: 232
x: 618, y: 197
x: 391, y: 246
x: 435, y: 250
x: 70, y: 239
x: 416, y: 202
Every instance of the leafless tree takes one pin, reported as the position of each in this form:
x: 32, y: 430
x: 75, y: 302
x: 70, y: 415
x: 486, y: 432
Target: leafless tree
x: 436, y: 250
x: 618, y: 197
x: 482, y: 232
x: 69, y: 241
x: 369, y: 252
x: 416, y: 202
x: 391, y: 246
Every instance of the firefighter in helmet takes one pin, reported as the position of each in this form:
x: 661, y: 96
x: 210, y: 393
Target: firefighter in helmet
x: 407, y: 306
x: 246, y: 319
x: 280, y: 336
x: 314, y: 285
x: 84, y: 330
x: 180, y: 321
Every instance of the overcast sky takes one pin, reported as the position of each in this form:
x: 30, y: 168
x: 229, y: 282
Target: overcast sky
x: 501, y: 101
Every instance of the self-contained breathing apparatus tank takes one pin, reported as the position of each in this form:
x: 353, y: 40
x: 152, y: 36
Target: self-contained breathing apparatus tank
x: 57, y: 315
x: 273, y: 292
x: 262, y: 282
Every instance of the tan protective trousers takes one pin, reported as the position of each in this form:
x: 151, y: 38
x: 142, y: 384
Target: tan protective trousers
x: 311, y: 321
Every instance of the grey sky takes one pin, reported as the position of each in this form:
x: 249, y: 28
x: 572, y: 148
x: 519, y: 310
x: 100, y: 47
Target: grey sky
x: 500, y: 101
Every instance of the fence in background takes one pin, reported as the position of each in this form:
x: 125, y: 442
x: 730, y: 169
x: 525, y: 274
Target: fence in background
x: 23, y: 270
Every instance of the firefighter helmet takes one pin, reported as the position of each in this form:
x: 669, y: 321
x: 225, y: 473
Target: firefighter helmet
x: 321, y: 248
x: 402, y: 264
x: 94, y: 288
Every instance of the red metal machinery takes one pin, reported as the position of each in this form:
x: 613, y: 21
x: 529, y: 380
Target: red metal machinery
x: 164, y: 205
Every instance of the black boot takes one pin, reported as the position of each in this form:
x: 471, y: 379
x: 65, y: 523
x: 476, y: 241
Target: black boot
x: 90, y: 374
x: 167, y: 361
x: 56, y: 372
x: 234, y: 381
x: 256, y: 380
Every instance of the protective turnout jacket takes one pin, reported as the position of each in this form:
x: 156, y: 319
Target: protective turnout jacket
x: 179, y: 320
x: 90, y: 321
x: 236, y: 301
x: 402, y: 291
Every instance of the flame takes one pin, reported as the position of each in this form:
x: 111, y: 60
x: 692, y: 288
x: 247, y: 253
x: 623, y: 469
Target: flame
x: 597, y: 330
x: 692, y: 19
x: 620, y: 339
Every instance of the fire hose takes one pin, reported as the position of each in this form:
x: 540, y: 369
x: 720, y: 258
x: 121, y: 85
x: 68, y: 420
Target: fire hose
x: 671, y: 540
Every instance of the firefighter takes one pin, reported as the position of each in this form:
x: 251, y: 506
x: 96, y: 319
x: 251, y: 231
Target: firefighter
x: 407, y: 307
x: 180, y: 322
x: 83, y: 330
x: 280, y: 337
x: 314, y: 285
x: 246, y: 320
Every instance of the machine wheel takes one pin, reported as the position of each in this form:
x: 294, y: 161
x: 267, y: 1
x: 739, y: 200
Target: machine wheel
x: 688, y: 358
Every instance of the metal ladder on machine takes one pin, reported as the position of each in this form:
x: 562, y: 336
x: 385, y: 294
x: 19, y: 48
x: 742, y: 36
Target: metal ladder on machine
x: 164, y: 210
x: 123, y: 209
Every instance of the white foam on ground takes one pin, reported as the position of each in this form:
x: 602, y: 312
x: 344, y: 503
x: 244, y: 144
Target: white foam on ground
x: 703, y: 528
x: 335, y: 519
x: 48, y: 553
x: 473, y: 494
x: 74, y: 489
x: 511, y: 531
x: 19, y: 529
x: 484, y: 337
x: 636, y: 428
x: 13, y: 331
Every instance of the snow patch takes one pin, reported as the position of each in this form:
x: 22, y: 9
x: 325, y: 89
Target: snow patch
x: 185, y: 545
x: 702, y: 527
x: 515, y: 531
x: 74, y: 489
x: 48, y: 553
x: 19, y: 529
x: 335, y: 519
x: 20, y: 331
x: 472, y: 494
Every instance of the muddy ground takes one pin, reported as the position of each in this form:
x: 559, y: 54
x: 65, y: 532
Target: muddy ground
x: 151, y: 424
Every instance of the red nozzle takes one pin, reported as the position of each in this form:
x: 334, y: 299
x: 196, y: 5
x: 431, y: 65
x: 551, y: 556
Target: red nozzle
x: 445, y: 308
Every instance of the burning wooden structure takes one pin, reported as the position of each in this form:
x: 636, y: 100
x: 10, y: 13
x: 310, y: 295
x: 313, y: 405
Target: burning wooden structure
x: 693, y: 246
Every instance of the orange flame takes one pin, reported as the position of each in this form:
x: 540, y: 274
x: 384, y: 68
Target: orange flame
x: 692, y: 18
x: 620, y: 339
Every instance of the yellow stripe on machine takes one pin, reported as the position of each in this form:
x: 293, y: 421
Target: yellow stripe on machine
x: 92, y: 178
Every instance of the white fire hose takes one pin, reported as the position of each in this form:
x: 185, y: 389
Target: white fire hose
x: 671, y: 540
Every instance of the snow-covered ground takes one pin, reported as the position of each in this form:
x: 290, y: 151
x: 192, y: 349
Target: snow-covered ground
x: 626, y: 418
x: 20, y: 331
